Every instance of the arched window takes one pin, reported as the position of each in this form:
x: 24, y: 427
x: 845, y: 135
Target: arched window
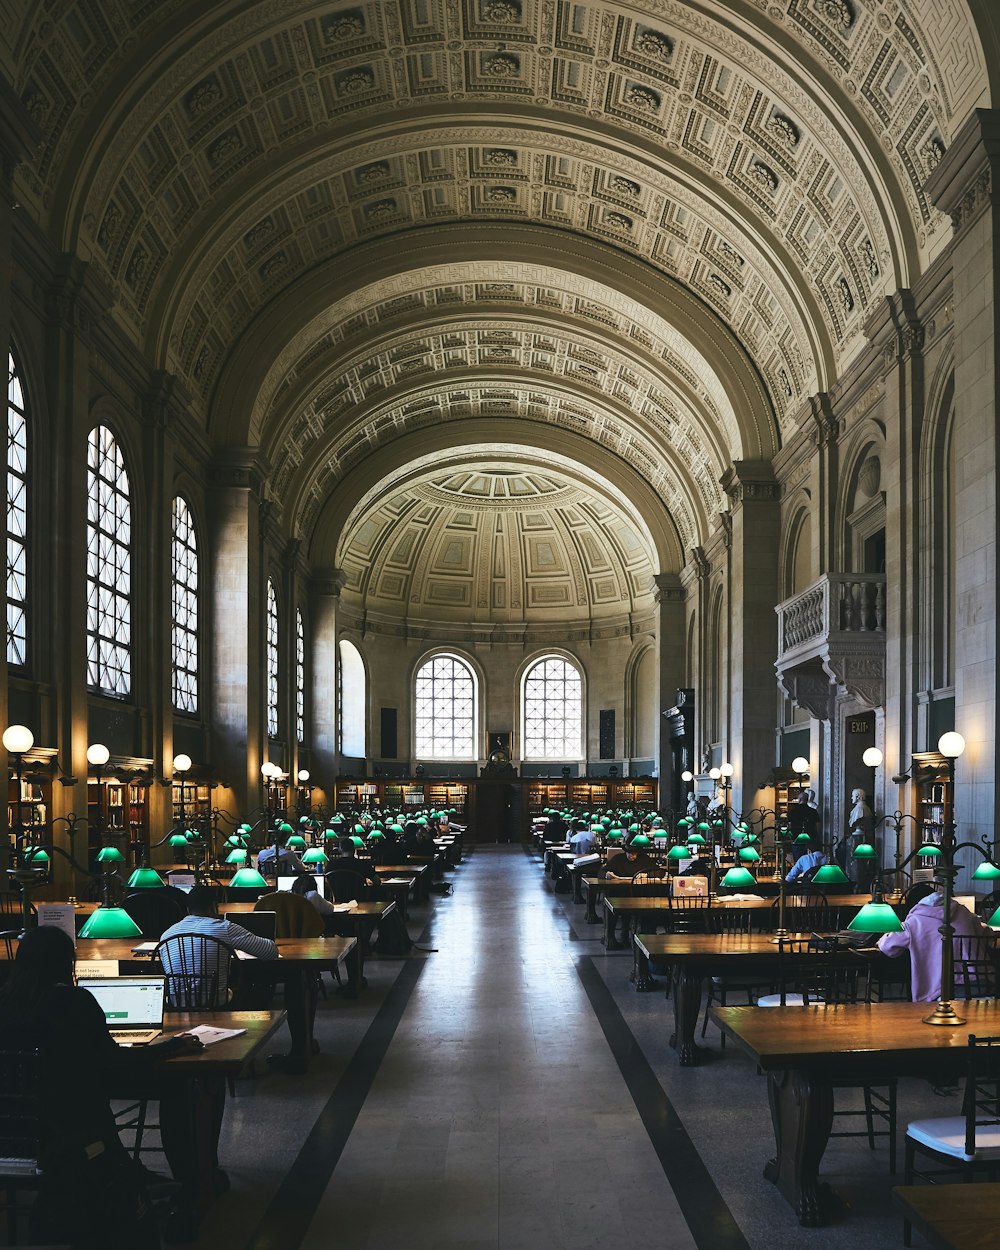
x: 17, y: 517
x: 272, y: 661
x: 184, y: 607
x: 445, y: 709
x: 352, y: 701
x: 300, y: 677
x: 109, y: 567
x: 552, y: 708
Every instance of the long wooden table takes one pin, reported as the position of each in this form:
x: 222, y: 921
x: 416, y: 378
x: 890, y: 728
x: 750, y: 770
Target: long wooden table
x: 297, y: 959
x: 953, y: 1217
x: 693, y: 957
x: 805, y: 1051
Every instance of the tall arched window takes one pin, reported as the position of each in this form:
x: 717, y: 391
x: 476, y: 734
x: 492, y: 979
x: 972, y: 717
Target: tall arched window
x: 184, y: 607
x: 352, y: 701
x: 109, y: 567
x: 272, y: 661
x: 552, y: 708
x: 445, y: 709
x: 300, y: 678
x: 17, y: 517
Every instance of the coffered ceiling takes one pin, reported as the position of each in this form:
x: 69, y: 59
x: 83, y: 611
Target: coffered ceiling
x: 655, y: 227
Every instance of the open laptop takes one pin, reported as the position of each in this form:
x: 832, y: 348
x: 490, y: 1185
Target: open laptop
x: 132, y: 1006
x: 263, y: 923
x: 286, y: 883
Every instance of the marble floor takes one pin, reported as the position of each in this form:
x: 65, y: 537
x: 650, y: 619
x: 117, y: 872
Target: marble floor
x: 506, y: 1089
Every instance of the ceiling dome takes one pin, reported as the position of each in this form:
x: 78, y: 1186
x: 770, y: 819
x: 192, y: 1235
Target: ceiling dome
x: 501, y: 546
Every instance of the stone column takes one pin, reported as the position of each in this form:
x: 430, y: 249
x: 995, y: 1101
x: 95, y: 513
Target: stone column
x: 237, y: 636
x: 18, y: 139
x: 755, y: 523
x: 670, y: 647
x: 326, y: 587
x: 965, y: 184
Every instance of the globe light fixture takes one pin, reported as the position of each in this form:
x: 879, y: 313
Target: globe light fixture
x: 872, y: 757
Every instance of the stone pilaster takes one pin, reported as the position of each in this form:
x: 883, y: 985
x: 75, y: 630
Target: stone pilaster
x: 325, y: 599
x: 239, y: 744
x: 755, y: 522
x: 965, y: 185
x: 670, y: 639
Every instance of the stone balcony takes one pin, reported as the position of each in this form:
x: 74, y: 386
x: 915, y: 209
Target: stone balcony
x: 831, y: 639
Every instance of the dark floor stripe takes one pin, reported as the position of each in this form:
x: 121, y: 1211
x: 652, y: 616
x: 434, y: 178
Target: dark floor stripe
x: 709, y: 1218
x: 286, y: 1221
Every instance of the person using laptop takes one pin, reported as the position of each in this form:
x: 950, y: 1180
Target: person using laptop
x: 288, y: 863
x: 92, y: 1193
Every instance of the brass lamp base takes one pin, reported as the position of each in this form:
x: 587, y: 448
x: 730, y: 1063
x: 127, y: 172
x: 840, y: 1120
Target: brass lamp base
x: 944, y: 1013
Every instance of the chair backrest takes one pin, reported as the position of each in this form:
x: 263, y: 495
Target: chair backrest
x: 153, y: 911
x: 974, y: 959
x: 197, y: 968
x: 812, y: 916
x: 982, y: 1088
x: 343, y: 885
x: 19, y: 1112
x: 821, y: 970
x: 916, y: 892
x: 296, y: 916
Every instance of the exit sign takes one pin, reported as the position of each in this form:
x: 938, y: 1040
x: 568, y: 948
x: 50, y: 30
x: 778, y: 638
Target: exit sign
x: 861, y: 725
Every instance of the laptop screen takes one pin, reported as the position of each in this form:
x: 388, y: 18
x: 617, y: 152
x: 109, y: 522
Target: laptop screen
x: 286, y: 883
x: 129, y: 1002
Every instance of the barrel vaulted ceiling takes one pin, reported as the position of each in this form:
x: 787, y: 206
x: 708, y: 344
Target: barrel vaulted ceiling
x: 652, y: 227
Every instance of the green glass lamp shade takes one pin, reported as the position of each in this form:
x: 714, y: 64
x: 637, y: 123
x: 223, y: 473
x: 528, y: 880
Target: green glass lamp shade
x: 685, y: 821
x: 315, y: 856
x: 615, y: 835
x: 396, y: 828
x: 987, y: 871
x: 236, y: 856
x: 830, y: 874
x: 145, y: 879
x: 296, y: 842
x: 994, y: 920
x: 376, y: 835
x: 876, y: 918
x: 110, y: 922
x: 36, y: 857
x: 237, y: 840
x: 750, y: 838
x: 110, y: 855
x: 633, y: 827
x: 303, y: 820
x: 738, y: 878
x: 285, y: 827
x: 865, y: 850
x: 930, y: 851
x: 703, y: 826
x: 716, y: 824
x: 248, y: 879
x: 359, y: 829
x: 642, y: 839
x: 356, y: 840
x: 657, y: 822
x: 422, y: 820
x: 178, y: 840
x: 245, y: 828
x: 678, y: 852
x: 696, y: 839
x: 804, y: 838
x: 748, y: 855
x: 332, y: 832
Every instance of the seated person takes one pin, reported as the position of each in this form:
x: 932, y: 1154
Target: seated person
x: 555, y: 829
x: 921, y: 937
x: 700, y: 866
x: 289, y: 863
x: 582, y: 840
x: 334, y: 923
x: 806, y: 864
x: 91, y: 1190
x: 203, y: 918
x: 347, y: 860
x: 629, y: 863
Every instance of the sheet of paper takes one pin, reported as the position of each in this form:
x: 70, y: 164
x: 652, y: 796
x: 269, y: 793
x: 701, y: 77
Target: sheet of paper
x: 58, y: 916
x: 346, y: 906
x: 208, y: 1035
x: 96, y: 968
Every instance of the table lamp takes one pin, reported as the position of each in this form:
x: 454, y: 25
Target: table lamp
x: 830, y: 874
x: 248, y: 879
x: 738, y: 878
x: 110, y: 922
x: 237, y: 856
x: 315, y: 856
x: 145, y: 878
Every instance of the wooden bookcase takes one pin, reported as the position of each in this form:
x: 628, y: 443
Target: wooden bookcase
x: 932, y: 782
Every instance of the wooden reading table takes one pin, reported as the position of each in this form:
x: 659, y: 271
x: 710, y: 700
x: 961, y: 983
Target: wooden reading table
x: 806, y: 1050
x: 953, y: 1217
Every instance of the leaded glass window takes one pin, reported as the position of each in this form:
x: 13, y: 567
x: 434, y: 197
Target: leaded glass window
x: 184, y: 608
x: 17, y: 517
x: 109, y: 567
x: 300, y: 678
x: 553, y: 710
x: 272, y: 661
x: 445, y: 707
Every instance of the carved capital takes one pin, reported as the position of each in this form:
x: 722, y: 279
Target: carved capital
x: 961, y: 184
x: 669, y: 588
x: 827, y: 426
x: 751, y: 481
x: 237, y: 468
x: 77, y: 298
x: 328, y: 582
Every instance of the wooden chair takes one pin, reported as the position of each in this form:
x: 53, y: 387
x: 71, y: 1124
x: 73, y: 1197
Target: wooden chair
x: 821, y: 970
x: 153, y: 911
x: 968, y: 1143
x: 974, y: 959
x: 19, y: 1132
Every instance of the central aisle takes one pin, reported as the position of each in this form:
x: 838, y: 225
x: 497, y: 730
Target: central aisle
x: 499, y: 1119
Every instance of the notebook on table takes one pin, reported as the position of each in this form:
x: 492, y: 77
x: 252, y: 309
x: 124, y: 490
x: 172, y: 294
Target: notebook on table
x: 132, y: 1006
x: 262, y: 923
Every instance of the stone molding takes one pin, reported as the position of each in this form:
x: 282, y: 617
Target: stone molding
x: 962, y: 183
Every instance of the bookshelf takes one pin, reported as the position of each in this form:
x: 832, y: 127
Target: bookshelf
x: 933, y: 793
x: 194, y: 798
x: 123, y: 808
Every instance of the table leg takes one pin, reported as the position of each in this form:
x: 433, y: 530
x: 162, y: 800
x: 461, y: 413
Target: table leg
x: 353, y: 966
x: 802, y: 1114
x: 591, y: 915
x: 191, y: 1110
x: 577, y: 877
x: 687, y: 990
x: 610, y: 940
x: 299, y: 1004
x: 642, y: 978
